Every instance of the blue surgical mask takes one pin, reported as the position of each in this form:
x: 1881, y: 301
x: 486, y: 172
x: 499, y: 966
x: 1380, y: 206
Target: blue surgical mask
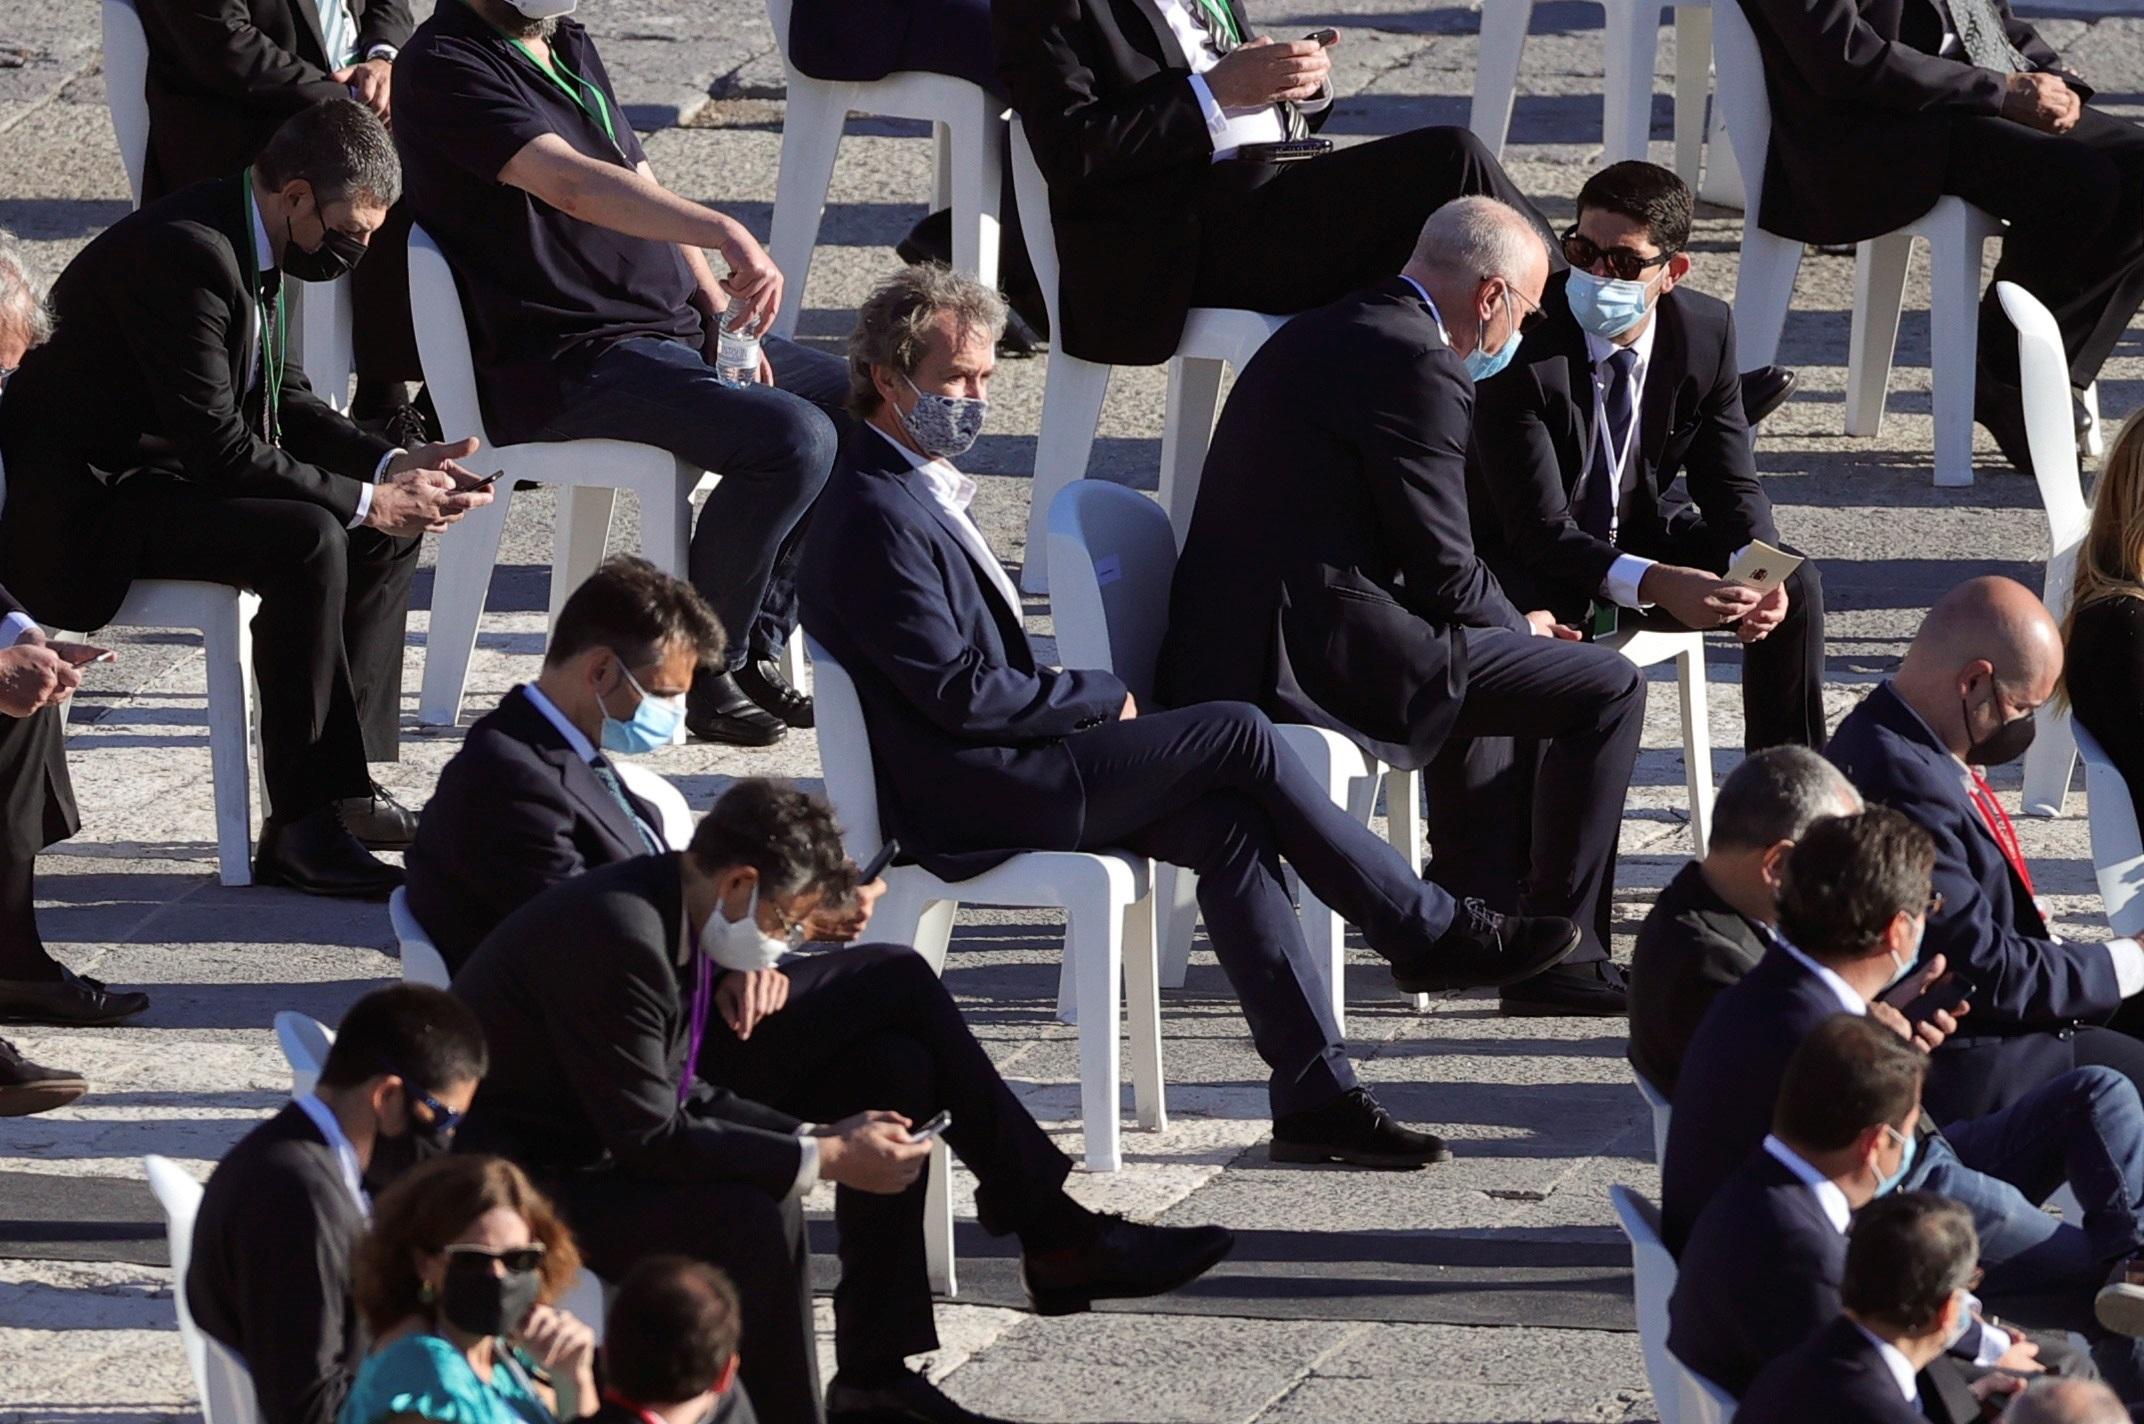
x: 653, y: 725
x: 943, y: 427
x: 1963, y: 1323
x: 1886, y: 1185
x: 1606, y: 306
x: 1481, y: 365
x: 1901, y: 966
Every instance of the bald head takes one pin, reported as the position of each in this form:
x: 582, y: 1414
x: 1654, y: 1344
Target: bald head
x: 1484, y: 263
x: 2066, y: 1401
x: 1988, y: 654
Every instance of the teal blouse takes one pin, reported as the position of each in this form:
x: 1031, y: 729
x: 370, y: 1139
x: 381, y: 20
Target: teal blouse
x: 425, y: 1376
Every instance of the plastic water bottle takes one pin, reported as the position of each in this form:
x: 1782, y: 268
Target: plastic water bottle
x: 737, y: 347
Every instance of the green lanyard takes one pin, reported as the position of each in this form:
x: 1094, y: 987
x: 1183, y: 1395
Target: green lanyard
x: 579, y: 90
x: 273, y: 344
x: 1223, y: 17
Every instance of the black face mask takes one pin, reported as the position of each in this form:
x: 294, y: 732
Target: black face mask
x: 477, y: 1300
x: 392, y: 1156
x: 2006, y: 743
x: 337, y: 254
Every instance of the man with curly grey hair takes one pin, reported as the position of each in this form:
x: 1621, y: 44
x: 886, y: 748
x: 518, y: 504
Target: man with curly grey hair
x: 25, y: 318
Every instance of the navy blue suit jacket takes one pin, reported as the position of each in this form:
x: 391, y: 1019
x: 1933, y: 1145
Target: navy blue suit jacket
x: 1836, y: 1376
x: 2029, y: 992
x: 1730, y: 1082
x: 1759, y: 1276
x: 967, y: 729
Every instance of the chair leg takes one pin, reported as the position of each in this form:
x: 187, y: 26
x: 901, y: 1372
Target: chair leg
x: 933, y: 936
x: 2048, y: 764
x: 1403, y: 816
x: 1496, y: 71
x: 1632, y: 38
x: 978, y: 147
x: 1723, y: 182
x: 1176, y: 920
x: 1764, y: 289
x: 938, y: 1222
x: 230, y: 742
x: 1879, y: 290
x: 1693, y: 83
x: 1954, y: 342
x: 580, y: 532
x: 795, y: 667
x: 2095, y: 434
x: 1194, y: 402
x: 1696, y: 741
x: 942, y: 179
x: 812, y: 120
x: 1142, y: 1006
x: 467, y: 554
x: 1072, y: 393
x: 1094, y: 952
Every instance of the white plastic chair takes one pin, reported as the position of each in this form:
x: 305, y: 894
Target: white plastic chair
x: 1646, y: 646
x: 969, y: 128
x: 1073, y: 389
x: 1764, y: 286
x: 2043, y: 371
x: 1704, y: 1402
x: 1112, y: 557
x: 673, y: 813
x: 305, y: 1043
x: 1680, y: 1396
x: 2117, y: 845
x: 220, y: 1376
x: 1661, y: 1109
x: 421, y: 960
x: 1109, y: 914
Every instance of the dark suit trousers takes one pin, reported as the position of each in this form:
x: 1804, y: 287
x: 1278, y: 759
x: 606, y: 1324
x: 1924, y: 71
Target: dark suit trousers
x: 1782, y: 673
x: 328, y: 640
x: 872, y: 1027
x: 1212, y: 788
x: 2075, y: 205
x: 1313, y: 231
x: 36, y: 809
x: 1526, y: 798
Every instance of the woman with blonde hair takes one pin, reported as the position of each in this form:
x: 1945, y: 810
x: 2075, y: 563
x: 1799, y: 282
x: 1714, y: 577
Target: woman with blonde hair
x: 455, y: 1281
x: 2103, y: 634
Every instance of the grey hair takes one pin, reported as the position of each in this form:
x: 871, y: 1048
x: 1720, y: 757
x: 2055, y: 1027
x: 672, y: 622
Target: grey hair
x: 1475, y: 237
x: 2066, y: 1401
x: 22, y: 294
x: 340, y: 148
x: 893, y: 325
x: 1777, y: 795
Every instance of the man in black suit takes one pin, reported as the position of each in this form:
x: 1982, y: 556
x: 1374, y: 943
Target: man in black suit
x: 1707, y: 926
x: 668, y: 1112
x: 162, y: 433
x: 270, y: 1275
x: 982, y: 752
x: 1985, y: 659
x: 1906, y: 1286
x: 1611, y: 466
x: 225, y: 74
x: 1330, y: 577
x: 1879, y: 107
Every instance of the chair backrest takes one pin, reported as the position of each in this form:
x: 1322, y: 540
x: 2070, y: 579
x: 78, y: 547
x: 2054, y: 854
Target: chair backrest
x: 421, y: 960
x: 126, y: 88
x: 225, y: 1386
x: 2051, y: 431
x: 845, y: 753
x: 1032, y: 191
x: 1745, y: 104
x: 305, y: 1043
x: 435, y: 308
x: 671, y: 807
x: 1112, y: 555
x: 1653, y: 1272
x: 1661, y: 1109
x: 2117, y: 844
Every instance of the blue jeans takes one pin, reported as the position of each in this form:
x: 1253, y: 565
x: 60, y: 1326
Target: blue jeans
x: 773, y: 446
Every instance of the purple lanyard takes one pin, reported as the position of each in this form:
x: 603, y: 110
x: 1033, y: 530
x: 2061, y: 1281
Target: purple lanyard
x: 703, y: 998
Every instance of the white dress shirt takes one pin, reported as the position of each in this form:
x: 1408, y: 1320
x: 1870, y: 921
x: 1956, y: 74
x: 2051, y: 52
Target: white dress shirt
x: 1850, y: 1000
x: 953, y: 492
x: 1621, y: 584
x: 1895, y: 1361
x: 353, y: 1172
x: 1229, y: 129
x: 15, y: 627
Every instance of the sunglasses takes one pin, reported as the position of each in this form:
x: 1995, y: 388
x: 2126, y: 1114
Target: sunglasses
x: 444, y: 1119
x: 514, y: 1258
x: 1625, y: 264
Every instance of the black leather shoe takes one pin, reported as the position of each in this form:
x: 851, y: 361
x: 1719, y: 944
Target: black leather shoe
x: 317, y: 854
x: 379, y: 821
x: 2001, y: 408
x: 911, y: 1399
x: 1486, y: 950
x: 70, y: 1001
x: 762, y: 681
x: 27, y: 1087
x: 718, y: 710
x: 1354, y: 1129
x: 1597, y: 990
x: 1124, y: 1260
x: 1765, y: 390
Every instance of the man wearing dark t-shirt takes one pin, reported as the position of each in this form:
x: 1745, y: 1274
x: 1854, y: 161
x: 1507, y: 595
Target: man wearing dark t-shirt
x: 593, y: 315
x: 670, y: 1347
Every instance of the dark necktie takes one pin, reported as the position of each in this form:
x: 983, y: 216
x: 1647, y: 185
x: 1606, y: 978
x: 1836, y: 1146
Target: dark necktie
x: 608, y: 775
x: 1598, y: 495
x: 1980, y: 31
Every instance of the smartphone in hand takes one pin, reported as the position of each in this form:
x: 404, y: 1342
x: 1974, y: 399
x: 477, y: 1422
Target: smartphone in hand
x: 1947, y: 995
x: 929, y: 1131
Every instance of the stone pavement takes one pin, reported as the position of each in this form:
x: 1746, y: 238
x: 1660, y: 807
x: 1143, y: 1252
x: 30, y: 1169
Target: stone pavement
x: 1541, y: 1112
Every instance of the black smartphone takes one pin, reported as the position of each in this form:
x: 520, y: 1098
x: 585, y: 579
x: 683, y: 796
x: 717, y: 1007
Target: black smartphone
x: 1293, y: 150
x: 932, y: 1128
x: 489, y: 480
x: 1324, y: 38
x: 1943, y: 996
x: 879, y: 862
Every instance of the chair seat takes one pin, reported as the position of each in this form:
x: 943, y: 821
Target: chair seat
x: 618, y: 464
x: 180, y: 603
x: 1646, y: 646
x: 1949, y: 218
x: 1041, y: 878
x: 911, y: 94
x: 1231, y: 334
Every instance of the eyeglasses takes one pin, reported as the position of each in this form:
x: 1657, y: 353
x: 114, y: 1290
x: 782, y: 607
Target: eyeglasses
x: 1625, y: 264
x: 794, y: 932
x: 1935, y: 906
x: 514, y: 1258
x: 444, y: 1119
x: 1533, y: 315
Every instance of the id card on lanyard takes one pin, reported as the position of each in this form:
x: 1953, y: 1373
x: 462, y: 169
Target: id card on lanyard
x: 273, y: 345
x: 588, y: 97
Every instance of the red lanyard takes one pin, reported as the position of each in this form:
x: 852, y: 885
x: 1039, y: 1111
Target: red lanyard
x: 1991, y: 811
x: 647, y: 1415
